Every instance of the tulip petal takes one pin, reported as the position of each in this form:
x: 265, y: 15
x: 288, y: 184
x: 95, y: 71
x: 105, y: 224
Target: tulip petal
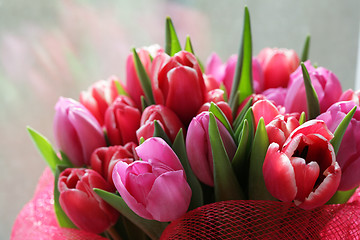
x: 279, y: 174
x: 169, y: 190
x: 313, y: 127
x: 266, y: 110
x: 155, y: 151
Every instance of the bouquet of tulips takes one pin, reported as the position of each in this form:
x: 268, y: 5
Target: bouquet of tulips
x: 176, y: 137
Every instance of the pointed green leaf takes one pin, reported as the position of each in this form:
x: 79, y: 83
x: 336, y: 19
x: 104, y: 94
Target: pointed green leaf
x: 142, y: 140
x: 188, y: 45
x: 180, y: 150
x: 143, y: 77
x: 120, y: 89
x: 243, y: 76
x: 222, y: 118
x: 313, y: 105
x: 159, y: 132
x: 306, y: 49
x: 151, y: 227
x: 172, y: 43
x: 257, y: 188
x: 241, y: 115
x: 61, y: 216
x: 340, y: 130
x: 144, y: 104
x: 225, y: 95
x: 241, y: 160
x: 226, y: 184
x: 302, y: 118
x: 249, y: 116
x: 341, y: 197
x: 46, y: 150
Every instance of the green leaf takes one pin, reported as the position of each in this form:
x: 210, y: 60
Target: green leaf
x: 180, y: 150
x: 225, y: 95
x: 151, y: 227
x: 257, y: 188
x: 243, y: 76
x: 241, y: 115
x: 341, y: 128
x: 313, y: 105
x: 241, y: 160
x: 142, y: 140
x: 249, y: 116
x: 62, y: 218
x: 188, y: 45
x: 120, y: 88
x: 226, y: 184
x: 144, y: 78
x: 306, y: 49
x: 159, y: 132
x: 46, y: 150
x: 222, y: 118
x: 302, y: 118
x: 341, y: 197
x: 172, y: 43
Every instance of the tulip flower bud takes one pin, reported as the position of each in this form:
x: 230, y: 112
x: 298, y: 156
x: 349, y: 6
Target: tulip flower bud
x: 304, y: 169
x: 277, y: 65
x: 154, y: 188
x: 348, y: 155
x: 76, y: 131
x: 81, y: 204
x: 104, y: 159
x: 164, y: 116
x: 198, y: 147
x: 325, y: 83
x: 178, y: 84
x: 350, y: 95
x: 279, y: 129
x: 99, y: 96
x: 122, y: 119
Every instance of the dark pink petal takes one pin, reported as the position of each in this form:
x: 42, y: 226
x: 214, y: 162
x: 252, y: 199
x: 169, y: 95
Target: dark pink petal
x: 264, y: 109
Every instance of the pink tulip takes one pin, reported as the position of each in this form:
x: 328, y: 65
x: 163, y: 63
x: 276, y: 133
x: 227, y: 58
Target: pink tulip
x: 279, y: 129
x: 350, y: 95
x: 166, y: 118
x: 104, y: 159
x: 198, y: 147
x: 99, y: 96
x: 76, y: 131
x: 348, y: 155
x: 178, y: 84
x: 264, y: 109
x: 304, y: 169
x: 277, y: 65
x: 276, y: 95
x: 224, y: 73
x: 81, y: 204
x: 326, y: 85
x: 133, y: 84
x: 154, y: 188
x: 122, y: 119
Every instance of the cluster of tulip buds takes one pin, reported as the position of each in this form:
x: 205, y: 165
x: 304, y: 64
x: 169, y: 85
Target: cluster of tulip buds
x: 175, y: 136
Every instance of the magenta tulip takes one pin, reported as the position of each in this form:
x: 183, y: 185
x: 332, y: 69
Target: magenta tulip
x: 81, y: 204
x: 154, y: 188
x: 348, y: 155
x: 99, y: 96
x: 178, y: 84
x: 198, y: 147
x: 76, y: 131
x: 104, y: 159
x: 304, y: 169
x: 326, y: 85
x: 166, y: 118
x: 276, y: 95
x: 350, y: 95
x: 277, y: 65
x: 122, y: 119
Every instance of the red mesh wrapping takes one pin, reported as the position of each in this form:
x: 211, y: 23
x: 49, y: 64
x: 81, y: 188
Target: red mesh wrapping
x: 37, y: 219
x: 267, y: 220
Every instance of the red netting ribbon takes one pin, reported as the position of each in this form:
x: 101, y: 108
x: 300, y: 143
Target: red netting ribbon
x: 252, y: 219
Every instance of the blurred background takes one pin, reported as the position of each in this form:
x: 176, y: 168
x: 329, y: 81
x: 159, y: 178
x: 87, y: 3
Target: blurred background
x: 58, y: 48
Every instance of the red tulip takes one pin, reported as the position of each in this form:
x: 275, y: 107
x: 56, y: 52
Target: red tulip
x: 99, y: 96
x: 304, y: 169
x: 279, y: 129
x: 164, y: 116
x: 81, y: 204
x: 277, y: 65
x: 104, y: 159
x: 122, y: 119
x: 76, y: 131
x: 178, y: 84
x: 264, y: 109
